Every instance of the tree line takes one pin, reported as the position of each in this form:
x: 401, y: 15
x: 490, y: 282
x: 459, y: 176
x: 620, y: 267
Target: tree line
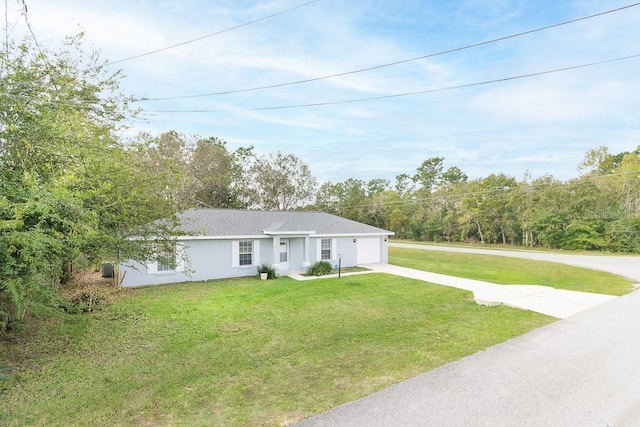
x: 599, y: 210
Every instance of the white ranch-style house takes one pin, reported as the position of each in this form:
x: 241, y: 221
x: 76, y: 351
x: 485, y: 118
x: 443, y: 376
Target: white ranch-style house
x: 233, y: 243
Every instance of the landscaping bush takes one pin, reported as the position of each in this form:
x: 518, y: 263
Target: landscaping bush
x: 266, y: 268
x: 320, y: 268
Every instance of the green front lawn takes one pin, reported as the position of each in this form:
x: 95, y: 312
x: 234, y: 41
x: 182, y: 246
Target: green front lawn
x: 511, y: 271
x: 244, y: 351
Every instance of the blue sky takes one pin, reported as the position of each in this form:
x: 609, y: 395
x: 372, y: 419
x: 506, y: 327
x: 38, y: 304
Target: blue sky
x: 542, y: 124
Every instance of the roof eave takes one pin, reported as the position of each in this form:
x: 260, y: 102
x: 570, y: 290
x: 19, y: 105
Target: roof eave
x: 377, y: 234
x: 220, y: 237
x: 288, y: 233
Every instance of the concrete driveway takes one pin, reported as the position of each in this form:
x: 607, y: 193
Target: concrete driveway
x: 627, y: 266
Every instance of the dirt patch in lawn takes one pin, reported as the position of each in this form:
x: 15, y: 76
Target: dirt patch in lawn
x: 343, y: 270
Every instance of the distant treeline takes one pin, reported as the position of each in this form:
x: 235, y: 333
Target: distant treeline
x: 599, y: 210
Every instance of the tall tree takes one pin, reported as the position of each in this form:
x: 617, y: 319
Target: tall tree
x: 242, y: 184
x: 404, y: 184
x: 429, y: 174
x: 166, y: 156
x: 453, y: 175
x: 210, y: 167
x: 329, y: 198
x: 282, y: 182
x: 354, y: 199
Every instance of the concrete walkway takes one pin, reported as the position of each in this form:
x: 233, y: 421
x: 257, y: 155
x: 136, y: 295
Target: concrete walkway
x: 542, y: 299
x: 581, y: 371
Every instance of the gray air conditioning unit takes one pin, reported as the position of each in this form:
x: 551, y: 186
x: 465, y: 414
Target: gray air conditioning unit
x: 107, y: 269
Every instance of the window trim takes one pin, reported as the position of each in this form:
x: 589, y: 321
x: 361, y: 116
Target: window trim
x: 245, y: 248
x: 333, y: 251
x: 167, y: 260
x: 323, y: 249
x: 235, y: 253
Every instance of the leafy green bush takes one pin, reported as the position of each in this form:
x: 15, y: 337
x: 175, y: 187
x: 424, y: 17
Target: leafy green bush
x: 320, y: 268
x: 583, y: 235
x: 266, y: 268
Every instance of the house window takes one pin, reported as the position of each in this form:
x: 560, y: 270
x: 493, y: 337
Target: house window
x: 283, y: 252
x: 245, y: 252
x: 167, y: 260
x: 325, y: 249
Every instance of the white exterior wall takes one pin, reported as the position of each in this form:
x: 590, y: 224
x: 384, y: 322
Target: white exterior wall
x: 206, y: 260
x: 209, y: 259
x: 384, y: 250
x: 349, y: 249
x: 338, y: 244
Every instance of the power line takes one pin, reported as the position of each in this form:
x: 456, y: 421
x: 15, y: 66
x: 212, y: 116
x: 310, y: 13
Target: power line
x: 35, y: 41
x: 390, y: 64
x: 212, y: 34
x: 26, y: 21
x: 338, y: 74
x: 85, y: 103
x: 361, y: 70
x: 398, y: 95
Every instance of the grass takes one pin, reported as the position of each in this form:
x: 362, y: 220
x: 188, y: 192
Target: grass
x: 349, y: 270
x: 512, y: 247
x: 243, y: 351
x: 343, y: 270
x: 511, y: 271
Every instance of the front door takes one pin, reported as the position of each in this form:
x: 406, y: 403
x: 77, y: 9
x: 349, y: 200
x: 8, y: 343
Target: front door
x: 284, y: 255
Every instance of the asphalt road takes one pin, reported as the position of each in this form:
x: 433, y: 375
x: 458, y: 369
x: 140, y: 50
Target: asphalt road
x: 627, y: 266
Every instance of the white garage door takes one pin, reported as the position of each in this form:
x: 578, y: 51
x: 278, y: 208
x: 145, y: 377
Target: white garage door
x: 368, y: 251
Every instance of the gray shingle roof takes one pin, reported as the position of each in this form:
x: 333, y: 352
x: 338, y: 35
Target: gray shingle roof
x: 231, y: 222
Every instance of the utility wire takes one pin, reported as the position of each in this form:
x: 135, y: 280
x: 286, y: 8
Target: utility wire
x: 212, y: 34
x: 85, y: 103
x: 391, y: 64
x: 398, y: 95
x: 6, y: 30
x: 35, y: 40
x: 332, y: 75
x: 26, y: 21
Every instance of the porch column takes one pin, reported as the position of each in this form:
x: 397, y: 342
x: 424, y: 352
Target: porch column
x: 307, y: 245
x: 276, y: 252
